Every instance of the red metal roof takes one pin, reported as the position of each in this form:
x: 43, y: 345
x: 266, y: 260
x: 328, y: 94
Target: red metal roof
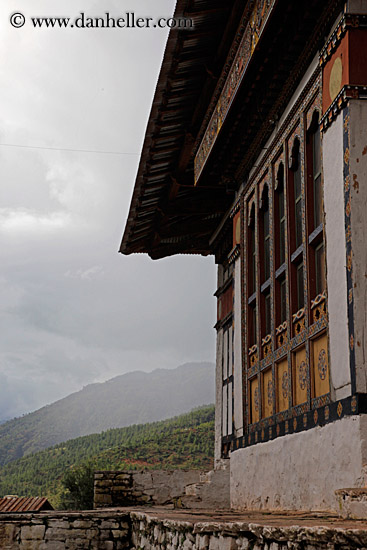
x: 24, y: 504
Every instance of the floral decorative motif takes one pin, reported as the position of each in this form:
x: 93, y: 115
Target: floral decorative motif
x: 285, y: 384
x: 315, y: 416
x: 346, y: 122
x: 304, y: 420
x: 295, y: 423
x: 327, y: 413
x: 354, y: 404
x: 347, y: 208
x: 348, y: 233
x: 351, y: 342
x: 256, y: 399
x: 347, y: 183
x: 349, y: 262
x: 302, y: 375
x: 339, y: 410
x: 322, y: 364
x: 278, y: 429
x: 346, y: 156
x: 270, y: 393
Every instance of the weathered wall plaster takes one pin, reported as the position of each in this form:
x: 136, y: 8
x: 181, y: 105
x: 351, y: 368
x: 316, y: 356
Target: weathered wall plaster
x: 336, y: 259
x: 301, y: 471
x: 358, y: 183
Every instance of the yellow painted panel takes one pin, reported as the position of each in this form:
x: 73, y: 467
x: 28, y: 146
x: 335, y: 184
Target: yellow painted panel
x: 282, y: 388
x: 320, y: 365
x: 268, y: 393
x: 255, y: 400
x: 300, y: 376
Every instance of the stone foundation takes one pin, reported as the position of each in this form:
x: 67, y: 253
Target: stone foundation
x: 65, y: 531
x: 152, y: 533
x: 163, y: 530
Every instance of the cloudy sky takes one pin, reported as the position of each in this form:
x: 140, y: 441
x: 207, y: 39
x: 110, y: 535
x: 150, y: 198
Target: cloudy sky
x: 72, y: 310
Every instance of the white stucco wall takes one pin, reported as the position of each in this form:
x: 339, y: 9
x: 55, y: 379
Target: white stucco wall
x: 358, y: 176
x: 301, y: 471
x: 237, y: 366
x: 336, y: 259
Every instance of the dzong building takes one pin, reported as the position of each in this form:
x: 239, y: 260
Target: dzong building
x: 256, y: 153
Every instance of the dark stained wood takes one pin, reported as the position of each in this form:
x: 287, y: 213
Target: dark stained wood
x: 168, y: 215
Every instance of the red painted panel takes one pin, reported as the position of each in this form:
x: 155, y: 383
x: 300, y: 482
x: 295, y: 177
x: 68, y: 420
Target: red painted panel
x: 342, y: 51
x: 226, y: 301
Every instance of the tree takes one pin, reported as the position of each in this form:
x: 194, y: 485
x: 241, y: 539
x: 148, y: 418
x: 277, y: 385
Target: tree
x: 78, y: 487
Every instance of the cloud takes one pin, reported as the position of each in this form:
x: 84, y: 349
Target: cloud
x: 24, y: 220
x: 86, y: 274
x: 74, y: 311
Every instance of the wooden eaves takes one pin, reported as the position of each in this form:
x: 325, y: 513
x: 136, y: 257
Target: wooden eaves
x: 168, y: 213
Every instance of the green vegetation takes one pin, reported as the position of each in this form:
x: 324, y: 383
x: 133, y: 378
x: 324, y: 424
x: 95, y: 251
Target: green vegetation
x: 132, y: 398
x: 186, y: 441
x: 78, y: 488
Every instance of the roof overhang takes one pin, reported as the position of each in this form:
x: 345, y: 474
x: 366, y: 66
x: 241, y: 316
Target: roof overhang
x: 169, y: 213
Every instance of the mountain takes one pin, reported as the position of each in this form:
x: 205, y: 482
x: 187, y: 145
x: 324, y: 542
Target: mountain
x: 186, y: 441
x: 131, y: 398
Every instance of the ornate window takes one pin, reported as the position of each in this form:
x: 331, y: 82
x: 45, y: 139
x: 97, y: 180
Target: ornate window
x: 280, y: 248
x: 265, y: 235
x: 265, y: 286
x: 285, y: 280
x: 251, y: 280
x: 280, y: 216
x: 316, y: 248
x: 296, y: 181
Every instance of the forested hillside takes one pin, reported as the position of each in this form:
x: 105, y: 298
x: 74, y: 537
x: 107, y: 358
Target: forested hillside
x: 132, y: 398
x: 186, y: 441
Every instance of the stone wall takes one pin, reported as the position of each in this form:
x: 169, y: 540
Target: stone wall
x: 135, y: 530
x: 151, y: 533
x: 152, y: 487
x: 65, y: 531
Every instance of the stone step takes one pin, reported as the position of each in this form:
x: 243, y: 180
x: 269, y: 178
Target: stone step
x: 212, y: 491
x: 352, y: 502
